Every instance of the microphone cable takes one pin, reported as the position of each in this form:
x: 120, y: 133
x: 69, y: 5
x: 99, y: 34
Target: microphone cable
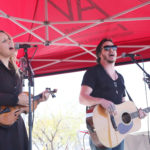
x: 84, y: 140
x: 34, y: 53
x: 33, y: 107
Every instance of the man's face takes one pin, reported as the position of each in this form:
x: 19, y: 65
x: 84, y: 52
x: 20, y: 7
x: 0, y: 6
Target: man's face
x: 108, y: 52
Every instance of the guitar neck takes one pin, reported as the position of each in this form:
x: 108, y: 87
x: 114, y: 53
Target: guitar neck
x: 37, y: 97
x: 136, y: 114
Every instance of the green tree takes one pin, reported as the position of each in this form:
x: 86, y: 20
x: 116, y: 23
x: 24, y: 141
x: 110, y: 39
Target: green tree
x: 57, y: 131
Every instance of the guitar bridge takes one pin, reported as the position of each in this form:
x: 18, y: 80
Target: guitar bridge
x: 113, y: 122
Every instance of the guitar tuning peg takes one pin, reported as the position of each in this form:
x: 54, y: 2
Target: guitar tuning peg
x: 55, y: 91
x: 53, y: 95
x: 49, y: 89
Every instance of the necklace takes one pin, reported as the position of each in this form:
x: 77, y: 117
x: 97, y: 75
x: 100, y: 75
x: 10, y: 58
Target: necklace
x: 114, y: 80
x: 115, y: 83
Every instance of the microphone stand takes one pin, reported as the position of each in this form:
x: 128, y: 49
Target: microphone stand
x: 30, y: 84
x: 147, y: 80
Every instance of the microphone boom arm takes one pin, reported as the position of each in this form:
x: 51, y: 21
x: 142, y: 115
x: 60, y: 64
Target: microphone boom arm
x: 147, y: 80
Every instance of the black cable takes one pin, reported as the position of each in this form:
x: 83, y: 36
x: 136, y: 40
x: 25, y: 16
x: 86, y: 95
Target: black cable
x: 146, y: 97
x: 34, y: 54
x: 83, y: 141
x: 33, y: 107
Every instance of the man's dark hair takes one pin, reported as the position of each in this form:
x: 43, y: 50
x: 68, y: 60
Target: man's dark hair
x: 99, y: 48
x: 2, y: 31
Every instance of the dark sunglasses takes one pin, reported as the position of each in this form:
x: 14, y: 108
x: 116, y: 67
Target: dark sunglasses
x: 108, y: 47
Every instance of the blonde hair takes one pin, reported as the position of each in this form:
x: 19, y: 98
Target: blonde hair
x: 13, y: 59
x: 12, y: 62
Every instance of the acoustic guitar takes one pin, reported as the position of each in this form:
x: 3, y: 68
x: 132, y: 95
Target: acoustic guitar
x: 9, y: 114
x: 110, y: 132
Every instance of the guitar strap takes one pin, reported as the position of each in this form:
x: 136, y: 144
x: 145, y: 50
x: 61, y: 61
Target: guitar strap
x: 127, y: 91
x: 129, y: 95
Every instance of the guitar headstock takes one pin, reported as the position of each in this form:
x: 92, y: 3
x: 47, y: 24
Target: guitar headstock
x: 52, y: 92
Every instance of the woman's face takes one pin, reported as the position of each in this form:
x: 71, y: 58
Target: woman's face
x: 6, y: 46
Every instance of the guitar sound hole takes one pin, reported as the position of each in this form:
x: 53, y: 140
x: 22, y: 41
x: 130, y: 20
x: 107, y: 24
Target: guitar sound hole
x: 126, y: 117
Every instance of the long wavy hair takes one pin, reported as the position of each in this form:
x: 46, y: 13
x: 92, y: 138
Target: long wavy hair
x: 13, y: 59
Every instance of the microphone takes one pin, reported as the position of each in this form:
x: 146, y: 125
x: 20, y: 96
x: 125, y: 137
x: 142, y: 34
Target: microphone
x: 129, y: 55
x: 18, y: 46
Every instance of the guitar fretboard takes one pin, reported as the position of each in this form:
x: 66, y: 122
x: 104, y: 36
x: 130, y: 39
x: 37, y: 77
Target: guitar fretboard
x: 37, y: 97
x: 136, y: 114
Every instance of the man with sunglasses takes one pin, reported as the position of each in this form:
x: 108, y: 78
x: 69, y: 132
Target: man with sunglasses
x: 103, y: 85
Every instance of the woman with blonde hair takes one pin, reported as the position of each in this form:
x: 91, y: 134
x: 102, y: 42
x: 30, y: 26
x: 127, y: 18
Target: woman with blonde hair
x: 12, y: 137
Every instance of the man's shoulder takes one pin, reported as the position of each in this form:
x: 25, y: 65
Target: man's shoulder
x: 119, y: 73
x: 120, y: 76
x: 94, y: 68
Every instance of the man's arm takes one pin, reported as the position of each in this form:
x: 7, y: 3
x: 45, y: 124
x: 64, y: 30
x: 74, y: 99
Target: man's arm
x: 88, y: 100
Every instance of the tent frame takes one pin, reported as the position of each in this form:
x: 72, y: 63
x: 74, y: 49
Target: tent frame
x: 90, y: 24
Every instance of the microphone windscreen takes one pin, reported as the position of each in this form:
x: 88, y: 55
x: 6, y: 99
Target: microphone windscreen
x: 17, y: 46
x: 123, y: 55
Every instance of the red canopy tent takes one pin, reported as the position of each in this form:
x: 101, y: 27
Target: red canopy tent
x: 67, y: 31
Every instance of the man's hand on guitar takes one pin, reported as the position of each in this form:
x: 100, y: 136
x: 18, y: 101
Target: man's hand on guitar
x: 109, y: 106
x: 142, y: 114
